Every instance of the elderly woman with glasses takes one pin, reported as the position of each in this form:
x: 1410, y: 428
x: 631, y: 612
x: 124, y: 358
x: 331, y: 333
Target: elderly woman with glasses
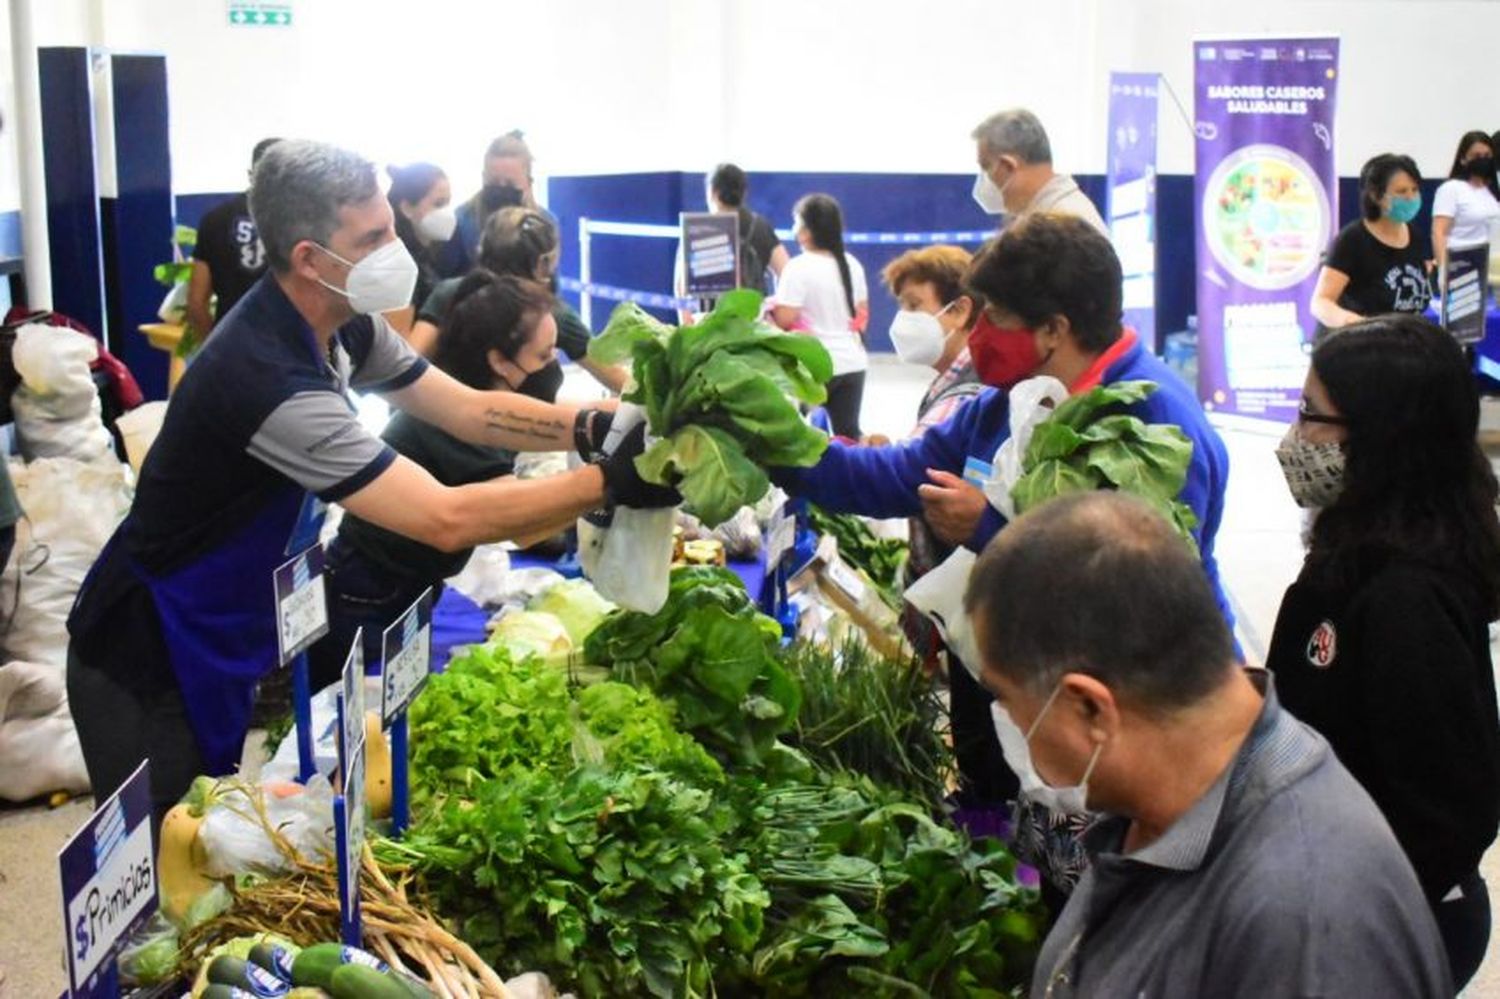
x: 1382, y: 643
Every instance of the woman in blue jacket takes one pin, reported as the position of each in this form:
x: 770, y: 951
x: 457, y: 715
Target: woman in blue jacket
x: 1053, y: 300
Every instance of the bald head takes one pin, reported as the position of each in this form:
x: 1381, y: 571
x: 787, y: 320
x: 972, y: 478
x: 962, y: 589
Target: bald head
x: 1100, y: 583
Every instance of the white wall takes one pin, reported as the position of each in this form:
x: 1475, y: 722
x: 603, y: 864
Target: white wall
x: 853, y: 85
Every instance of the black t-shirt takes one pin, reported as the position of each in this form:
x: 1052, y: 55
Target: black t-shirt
x: 229, y: 245
x: 572, y: 335
x: 453, y: 463
x: 758, y: 236
x: 1381, y: 278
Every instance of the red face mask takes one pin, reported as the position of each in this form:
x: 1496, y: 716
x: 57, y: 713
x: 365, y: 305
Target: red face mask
x: 1002, y: 357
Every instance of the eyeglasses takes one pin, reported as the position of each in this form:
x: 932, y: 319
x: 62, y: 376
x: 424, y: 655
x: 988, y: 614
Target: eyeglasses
x: 1305, y: 415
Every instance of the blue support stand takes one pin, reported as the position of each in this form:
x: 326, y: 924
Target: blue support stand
x: 400, y: 776
x: 349, y: 928
x: 302, y: 709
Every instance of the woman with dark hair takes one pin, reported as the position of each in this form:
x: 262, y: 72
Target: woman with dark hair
x: 1382, y: 643
x: 1467, y: 205
x: 1378, y: 263
x: 420, y: 195
x: 521, y: 242
x: 822, y: 292
x: 500, y: 336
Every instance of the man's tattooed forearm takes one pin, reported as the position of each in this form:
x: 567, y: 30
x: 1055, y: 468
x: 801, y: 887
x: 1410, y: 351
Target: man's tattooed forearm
x: 524, y: 426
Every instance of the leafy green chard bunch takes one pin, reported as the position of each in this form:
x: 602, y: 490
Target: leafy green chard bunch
x: 1083, y: 447
x: 721, y: 395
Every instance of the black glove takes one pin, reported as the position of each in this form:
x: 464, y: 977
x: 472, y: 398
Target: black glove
x: 590, y: 428
x: 623, y: 485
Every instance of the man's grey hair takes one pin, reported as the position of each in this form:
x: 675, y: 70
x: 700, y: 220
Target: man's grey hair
x: 297, y: 190
x: 1016, y: 132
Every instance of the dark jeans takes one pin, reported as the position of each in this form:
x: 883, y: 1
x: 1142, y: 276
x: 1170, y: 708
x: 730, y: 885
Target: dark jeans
x: 125, y: 716
x: 361, y: 594
x: 846, y: 393
x: 1465, y: 927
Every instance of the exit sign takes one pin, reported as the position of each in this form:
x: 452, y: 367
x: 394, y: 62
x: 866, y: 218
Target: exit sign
x: 257, y: 14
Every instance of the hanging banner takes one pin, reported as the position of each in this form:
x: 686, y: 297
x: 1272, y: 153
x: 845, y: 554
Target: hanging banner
x: 1267, y: 201
x: 1131, y: 195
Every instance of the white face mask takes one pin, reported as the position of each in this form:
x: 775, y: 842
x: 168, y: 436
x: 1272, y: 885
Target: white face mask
x: 989, y: 196
x: 1314, y: 472
x: 380, y: 282
x: 918, y: 336
x: 1015, y: 745
x: 438, y: 224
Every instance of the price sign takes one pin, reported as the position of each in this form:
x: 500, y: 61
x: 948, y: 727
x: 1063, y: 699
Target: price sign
x: 108, y: 884
x: 780, y: 537
x: 354, y: 823
x: 408, y: 657
x: 847, y: 580
x: 1463, y: 293
x: 353, y: 700
x: 301, y: 603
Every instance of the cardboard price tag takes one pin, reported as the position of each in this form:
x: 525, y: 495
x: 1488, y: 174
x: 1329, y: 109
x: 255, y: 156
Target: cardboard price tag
x: 301, y: 603
x: 408, y: 657
x: 109, y: 880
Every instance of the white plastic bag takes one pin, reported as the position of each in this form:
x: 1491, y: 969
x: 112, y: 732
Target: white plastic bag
x: 57, y: 409
x: 1031, y: 403
x: 940, y: 596
x: 72, y: 508
x: 283, y: 764
x: 235, y: 842
x: 39, y: 750
x: 630, y: 560
x: 484, y: 579
x: 173, y: 308
x: 139, y: 429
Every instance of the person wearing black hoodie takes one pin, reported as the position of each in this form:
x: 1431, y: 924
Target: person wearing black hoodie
x: 1382, y: 643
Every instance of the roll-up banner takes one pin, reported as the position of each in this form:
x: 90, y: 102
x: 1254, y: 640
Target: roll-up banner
x: 1267, y: 202
x: 1131, y: 195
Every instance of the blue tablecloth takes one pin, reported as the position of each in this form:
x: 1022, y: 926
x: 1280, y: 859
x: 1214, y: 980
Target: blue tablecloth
x: 1487, y: 351
x: 457, y: 620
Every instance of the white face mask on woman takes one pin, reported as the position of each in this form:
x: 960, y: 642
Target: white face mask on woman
x: 437, y: 225
x: 1015, y: 745
x: 918, y: 336
x: 381, y: 281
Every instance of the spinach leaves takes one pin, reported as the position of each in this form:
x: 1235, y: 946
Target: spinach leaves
x: 721, y: 395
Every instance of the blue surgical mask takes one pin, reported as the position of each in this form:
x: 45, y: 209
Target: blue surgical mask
x: 1404, y: 209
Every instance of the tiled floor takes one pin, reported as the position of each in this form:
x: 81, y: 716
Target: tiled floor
x: 1258, y: 548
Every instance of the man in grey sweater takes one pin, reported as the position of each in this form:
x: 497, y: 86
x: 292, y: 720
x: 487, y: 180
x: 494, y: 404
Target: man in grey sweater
x: 1235, y: 855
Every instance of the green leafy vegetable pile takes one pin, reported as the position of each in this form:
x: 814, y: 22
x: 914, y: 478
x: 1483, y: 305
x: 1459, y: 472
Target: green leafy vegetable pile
x: 882, y: 559
x: 722, y: 396
x: 712, y: 655
x: 1081, y: 448
x: 585, y: 833
x: 873, y: 716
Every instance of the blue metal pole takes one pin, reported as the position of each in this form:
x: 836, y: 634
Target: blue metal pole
x: 302, y: 709
x: 400, y: 774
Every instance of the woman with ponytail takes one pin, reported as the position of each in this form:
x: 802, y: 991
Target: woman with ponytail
x: 822, y: 292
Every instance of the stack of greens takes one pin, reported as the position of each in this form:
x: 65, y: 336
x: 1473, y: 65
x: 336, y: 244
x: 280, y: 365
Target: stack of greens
x: 882, y: 559
x: 712, y: 655
x: 876, y: 717
x: 1083, y: 447
x: 577, y: 832
x: 721, y: 396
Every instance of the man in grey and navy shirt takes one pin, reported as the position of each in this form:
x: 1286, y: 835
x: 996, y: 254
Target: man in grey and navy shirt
x: 175, y: 624
x: 1236, y: 855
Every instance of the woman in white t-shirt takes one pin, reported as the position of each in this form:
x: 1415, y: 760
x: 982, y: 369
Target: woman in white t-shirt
x: 1467, y: 206
x: 822, y: 292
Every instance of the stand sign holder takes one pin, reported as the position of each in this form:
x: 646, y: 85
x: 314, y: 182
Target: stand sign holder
x: 407, y: 655
x: 711, y: 255
x: 301, y: 619
x: 349, y: 804
x: 109, y: 880
x: 1463, y: 291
